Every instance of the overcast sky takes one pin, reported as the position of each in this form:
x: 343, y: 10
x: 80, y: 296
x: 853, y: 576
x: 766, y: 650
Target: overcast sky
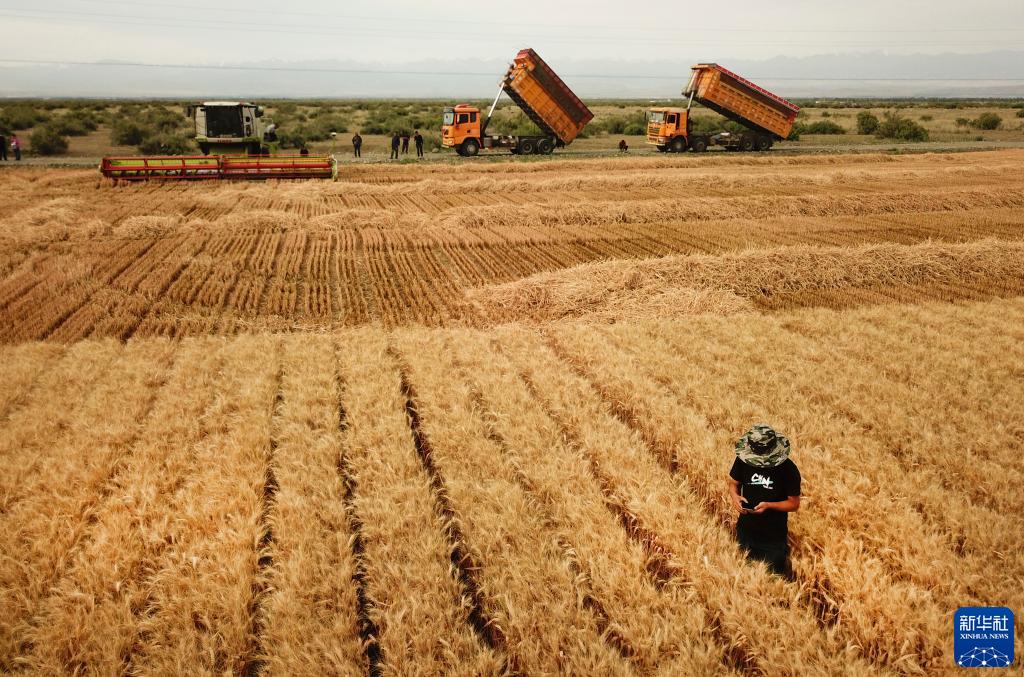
x: 191, y: 31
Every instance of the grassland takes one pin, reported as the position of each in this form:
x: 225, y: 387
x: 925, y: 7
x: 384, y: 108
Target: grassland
x: 476, y: 419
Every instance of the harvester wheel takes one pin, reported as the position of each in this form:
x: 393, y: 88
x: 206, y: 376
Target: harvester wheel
x: 527, y: 147
x: 545, y: 147
x: 699, y: 144
x: 470, y: 147
x: 746, y: 143
x: 678, y: 145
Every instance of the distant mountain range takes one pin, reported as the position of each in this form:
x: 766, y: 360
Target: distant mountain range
x: 992, y: 74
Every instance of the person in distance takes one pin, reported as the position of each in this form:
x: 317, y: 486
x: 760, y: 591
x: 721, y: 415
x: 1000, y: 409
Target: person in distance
x: 764, y: 485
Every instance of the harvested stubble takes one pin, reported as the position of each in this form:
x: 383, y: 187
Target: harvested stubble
x: 735, y: 282
x: 83, y: 259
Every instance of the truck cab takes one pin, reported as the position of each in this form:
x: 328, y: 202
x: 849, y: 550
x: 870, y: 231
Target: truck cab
x: 231, y: 128
x: 669, y: 130
x: 460, y: 129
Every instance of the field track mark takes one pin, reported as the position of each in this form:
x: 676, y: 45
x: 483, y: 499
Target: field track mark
x: 254, y: 663
x: 368, y: 630
x: 661, y: 565
x: 585, y: 591
x: 822, y: 599
x: 462, y: 559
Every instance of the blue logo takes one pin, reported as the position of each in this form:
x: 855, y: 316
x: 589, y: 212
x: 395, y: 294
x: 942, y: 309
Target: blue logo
x: 983, y: 637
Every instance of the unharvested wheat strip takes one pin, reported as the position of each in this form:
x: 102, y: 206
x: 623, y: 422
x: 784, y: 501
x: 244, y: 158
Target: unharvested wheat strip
x: 754, y: 615
x: 37, y: 531
x: 43, y: 418
x: 962, y: 572
x: 91, y: 615
x: 663, y: 630
x: 309, y: 616
x: 201, y: 598
x: 682, y: 436
x: 924, y: 437
x: 527, y: 593
x: 885, y: 522
x: 418, y: 607
x: 21, y: 368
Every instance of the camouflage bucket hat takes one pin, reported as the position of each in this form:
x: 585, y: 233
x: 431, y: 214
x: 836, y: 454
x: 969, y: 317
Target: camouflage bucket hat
x: 761, y: 447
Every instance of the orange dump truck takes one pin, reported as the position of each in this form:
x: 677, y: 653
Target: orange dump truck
x: 540, y: 93
x: 767, y: 117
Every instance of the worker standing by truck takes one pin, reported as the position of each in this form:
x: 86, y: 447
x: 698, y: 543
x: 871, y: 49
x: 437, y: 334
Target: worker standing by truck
x: 357, y: 145
x: 418, y: 138
x: 764, y: 485
x: 394, y: 146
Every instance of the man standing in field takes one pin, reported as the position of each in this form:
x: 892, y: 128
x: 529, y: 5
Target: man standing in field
x: 418, y: 138
x: 3, y: 147
x: 16, y: 147
x: 765, y: 487
x: 357, y: 145
x: 405, y: 142
x: 394, y: 146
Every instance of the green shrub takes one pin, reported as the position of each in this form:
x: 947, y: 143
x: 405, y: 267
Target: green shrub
x: 867, y: 122
x: 987, y: 121
x: 895, y: 126
x: 826, y: 114
x: 824, y: 127
x: 963, y: 122
x: 77, y: 123
x: 635, y: 129
x: 46, y: 140
x: 128, y: 133
x: 22, y: 117
x: 927, y: 118
x: 1020, y: 113
x: 166, y: 144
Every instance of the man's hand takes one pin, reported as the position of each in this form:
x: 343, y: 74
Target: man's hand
x: 737, y: 500
x: 761, y: 507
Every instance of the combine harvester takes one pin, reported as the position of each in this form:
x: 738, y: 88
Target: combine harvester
x: 238, y: 138
x: 767, y: 117
x: 540, y: 93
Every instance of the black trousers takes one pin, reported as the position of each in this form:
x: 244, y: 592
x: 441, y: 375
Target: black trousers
x: 3, y: 151
x: 394, y: 152
x: 773, y: 552
x: 419, y: 150
x: 357, y: 151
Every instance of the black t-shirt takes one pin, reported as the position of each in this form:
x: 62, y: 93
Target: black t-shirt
x: 766, y: 484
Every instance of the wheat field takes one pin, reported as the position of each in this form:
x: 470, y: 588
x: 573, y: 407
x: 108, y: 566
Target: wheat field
x: 477, y: 419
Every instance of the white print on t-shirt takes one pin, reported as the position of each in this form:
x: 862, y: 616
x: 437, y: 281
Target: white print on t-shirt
x: 761, y: 480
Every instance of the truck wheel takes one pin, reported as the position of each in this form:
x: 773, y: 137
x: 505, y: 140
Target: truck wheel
x: 699, y: 144
x: 545, y: 147
x: 527, y: 147
x: 470, y: 147
x: 678, y: 145
x: 662, y: 149
x: 763, y: 143
x: 746, y: 143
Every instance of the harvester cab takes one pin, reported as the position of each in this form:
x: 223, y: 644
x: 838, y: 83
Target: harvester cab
x: 232, y: 128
